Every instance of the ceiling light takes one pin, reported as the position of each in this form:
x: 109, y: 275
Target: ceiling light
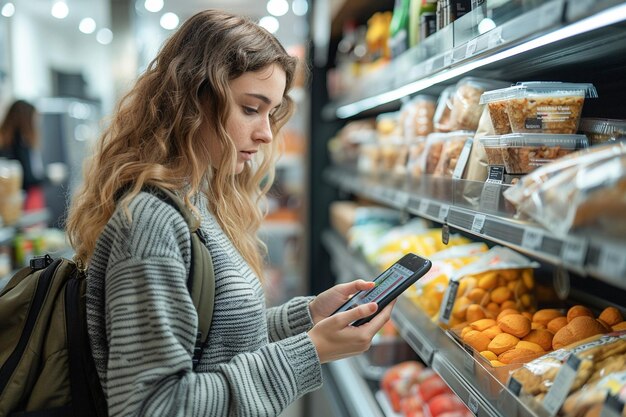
x: 270, y: 23
x: 277, y: 7
x: 169, y: 21
x: 300, y: 7
x: 8, y: 10
x: 60, y: 10
x: 87, y: 25
x: 104, y: 36
x: 153, y: 5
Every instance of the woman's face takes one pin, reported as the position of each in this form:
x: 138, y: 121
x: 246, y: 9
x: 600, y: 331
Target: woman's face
x: 255, y: 96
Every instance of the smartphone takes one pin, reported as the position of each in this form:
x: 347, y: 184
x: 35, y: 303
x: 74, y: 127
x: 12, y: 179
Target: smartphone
x: 389, y: 285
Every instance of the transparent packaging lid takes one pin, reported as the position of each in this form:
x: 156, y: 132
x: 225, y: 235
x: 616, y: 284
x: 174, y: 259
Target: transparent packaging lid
x: 499, y: 94
x: 555, y: 88
x: 482, y: 83
x: 603, y: 126
x: 491, y: 141
x: 544, y: 139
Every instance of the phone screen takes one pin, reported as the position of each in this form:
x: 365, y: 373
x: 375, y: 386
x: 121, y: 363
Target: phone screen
x: 388, y: 285
x: 385, y: 283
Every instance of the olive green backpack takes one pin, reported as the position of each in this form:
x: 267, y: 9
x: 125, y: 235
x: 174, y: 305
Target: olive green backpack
x: 46, y: 367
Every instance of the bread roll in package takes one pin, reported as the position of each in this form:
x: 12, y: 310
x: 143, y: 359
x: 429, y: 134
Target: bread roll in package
x: 599, y: 358
x: 500, y: 279
x: 427, y: 293
x: 584, y: 191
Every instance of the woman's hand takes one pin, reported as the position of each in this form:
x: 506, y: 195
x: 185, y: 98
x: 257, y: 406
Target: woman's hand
x: 334, y: 338
x: 330, y: 300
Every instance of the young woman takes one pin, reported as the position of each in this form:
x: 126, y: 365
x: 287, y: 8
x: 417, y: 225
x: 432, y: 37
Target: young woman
x: 203, y: 121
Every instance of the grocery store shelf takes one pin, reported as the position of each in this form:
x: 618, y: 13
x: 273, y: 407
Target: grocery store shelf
x: 557, y: 34
x: 482, y: 390
x: 346, y: 271
x: 356, y: 395
x: 480, y: 209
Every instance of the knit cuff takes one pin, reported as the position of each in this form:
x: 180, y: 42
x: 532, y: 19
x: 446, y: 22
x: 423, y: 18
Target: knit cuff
x: 299, y: 316
x: 302, y: 356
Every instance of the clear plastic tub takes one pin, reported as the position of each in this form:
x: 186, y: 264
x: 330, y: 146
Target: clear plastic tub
x: 451, y: 152
x: 547, y: 107
x: 524, y: 152
x: 493, y: 149
x: 441, y: 119
x: 603, y: 130
x: 466, y: 107
x: 496, y: 101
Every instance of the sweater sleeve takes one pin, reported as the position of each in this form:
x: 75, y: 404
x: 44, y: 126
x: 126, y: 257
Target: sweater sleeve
x: 151, y: 326
x: 289, y: 319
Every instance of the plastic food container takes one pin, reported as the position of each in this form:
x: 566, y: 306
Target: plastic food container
x: 432, y: 152
x: 493, y: 149
x: 496, y: 101
x: 441, y: 119
x: 523, y: 152
x: 466, y: 107
x: 451, y: 152
x: 415, y: 163
x: 603, y: 130
x: 547, y: 107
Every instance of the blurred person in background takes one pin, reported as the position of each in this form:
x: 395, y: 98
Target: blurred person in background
x: 19, y: 140
x: 203, y: 121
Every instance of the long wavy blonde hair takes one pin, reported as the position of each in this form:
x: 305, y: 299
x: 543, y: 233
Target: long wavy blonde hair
x: 161, y: 130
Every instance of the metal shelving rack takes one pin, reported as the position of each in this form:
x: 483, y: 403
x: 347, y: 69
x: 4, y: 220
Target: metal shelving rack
x: 446, y: 201
x: 482, y: 391
x: 555, y: 37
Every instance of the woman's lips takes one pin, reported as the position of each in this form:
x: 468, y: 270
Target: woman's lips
x: 247, y: 155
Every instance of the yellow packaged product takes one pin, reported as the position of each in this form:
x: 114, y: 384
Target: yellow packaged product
x: 424, y: 244
x: 428, y: 291
x: 500, y: 279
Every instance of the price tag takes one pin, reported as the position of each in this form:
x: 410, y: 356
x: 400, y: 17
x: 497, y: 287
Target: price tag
x: 562, y: 383
x: 448, y: 301
x: 468, y: 360
x: 402, y: 199
x: 612, y: 407
x: 424, y: 350
x: 515, y: 387
x: 471, y: 48
x: 445, y: 234
x: 574, y: 251
x: 472, y: 404
x: 532, y: 239
x: 496, y: 174
x: 612, y: 262
x: 495, y: 37
x: 443, y: 212
x: 578, y: 8
x: 478, y: 223
x: 428, y: 66
x: 423, y: 209
x: 447, y: 59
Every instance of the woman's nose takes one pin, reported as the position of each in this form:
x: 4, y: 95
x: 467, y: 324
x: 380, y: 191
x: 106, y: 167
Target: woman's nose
x: 264, y: 131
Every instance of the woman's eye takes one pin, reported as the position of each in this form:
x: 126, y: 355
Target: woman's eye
x: 249, y: 110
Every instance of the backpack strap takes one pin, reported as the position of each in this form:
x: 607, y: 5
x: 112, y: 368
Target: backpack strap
x: 201, y: 281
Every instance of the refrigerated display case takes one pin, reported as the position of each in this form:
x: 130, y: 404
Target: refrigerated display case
x: 569, y: 40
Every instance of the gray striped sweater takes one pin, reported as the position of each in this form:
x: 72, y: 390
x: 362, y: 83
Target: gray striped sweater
x: 142, y: 324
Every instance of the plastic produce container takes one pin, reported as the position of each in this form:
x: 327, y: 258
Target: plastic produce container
x: 603, y: 130
x: 523, y: 152
x: 493, y: 149
x: 466, y: 108
x: 496, y: 101
x: 547, y: 107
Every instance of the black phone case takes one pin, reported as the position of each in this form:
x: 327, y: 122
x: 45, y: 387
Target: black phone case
x: 399, y: 290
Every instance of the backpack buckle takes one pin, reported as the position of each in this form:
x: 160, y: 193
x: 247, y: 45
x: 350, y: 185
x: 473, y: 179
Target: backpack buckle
x: 40, y: 262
